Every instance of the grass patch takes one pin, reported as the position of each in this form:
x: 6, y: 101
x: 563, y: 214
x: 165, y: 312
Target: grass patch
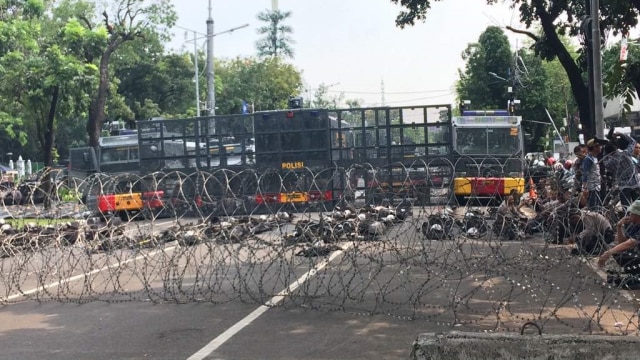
x: 19, y: 223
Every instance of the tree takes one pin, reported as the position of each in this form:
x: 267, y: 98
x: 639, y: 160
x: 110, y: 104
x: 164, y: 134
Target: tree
x: 487, y: 71
x: 18, y: 29
x: 556, y: 19
x: 322, y: 100
x: 536, y: 91
x: 147, y: 75
x: 622, y: 78
x: 46, y: 77
x: 492, y: 68
x: 354, y: 103
x: 43, y: 73
x: 131, y: 20
x: 276, y: 41
x: 266, y: 83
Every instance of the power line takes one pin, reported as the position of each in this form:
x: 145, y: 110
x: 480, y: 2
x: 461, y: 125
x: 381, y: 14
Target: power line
x: 420, y: 98
x: 389, y: 93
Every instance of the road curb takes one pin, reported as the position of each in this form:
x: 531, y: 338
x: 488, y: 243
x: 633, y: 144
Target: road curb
x: 470, y: 346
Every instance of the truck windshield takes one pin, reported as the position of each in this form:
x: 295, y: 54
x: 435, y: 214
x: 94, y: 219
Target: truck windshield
x: 119, y: 154
x: 487, y: 141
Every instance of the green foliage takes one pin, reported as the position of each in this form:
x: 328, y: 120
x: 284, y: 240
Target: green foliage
x: 556, y: 19
x: 132, y: 20
x: 267, y: 83
x: 83, y: 42
x: 276, y: 41
x: 621, y: 79
x: 487, y: 72
x: 68, y: 195
x: 525, y: 73
x: 163, y: 80
x: 18, y: 223
x: 322, y: 100
x: 354, y: 103
x: 147, y: 110
x: 29, y: 9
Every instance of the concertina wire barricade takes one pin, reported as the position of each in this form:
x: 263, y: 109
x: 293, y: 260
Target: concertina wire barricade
x: 381, y: 251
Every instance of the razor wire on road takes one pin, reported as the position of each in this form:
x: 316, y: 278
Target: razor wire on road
x: 402, y: 244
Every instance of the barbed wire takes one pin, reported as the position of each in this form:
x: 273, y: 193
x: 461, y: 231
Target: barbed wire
x: 392, y: 241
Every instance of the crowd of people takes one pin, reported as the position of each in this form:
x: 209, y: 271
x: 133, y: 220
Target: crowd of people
x: 591, y: 202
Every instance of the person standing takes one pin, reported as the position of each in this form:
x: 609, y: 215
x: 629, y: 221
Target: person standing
x: 591, y: 180
x: 580, y: 151
x: 636, y: 152
x: 636, y: 158
x: 619, y: 162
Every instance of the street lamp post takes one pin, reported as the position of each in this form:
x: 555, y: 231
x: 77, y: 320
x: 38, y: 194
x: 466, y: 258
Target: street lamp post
x: 195, y: 79
x: 195, y: 62
x: 210, y: 75
x: 211, y: 91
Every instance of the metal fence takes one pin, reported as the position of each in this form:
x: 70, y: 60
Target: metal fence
x: 372, y: 247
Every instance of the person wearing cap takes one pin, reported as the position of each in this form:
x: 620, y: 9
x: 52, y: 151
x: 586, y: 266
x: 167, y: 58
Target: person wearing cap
x: 627, y: 237
x: 591, y: 180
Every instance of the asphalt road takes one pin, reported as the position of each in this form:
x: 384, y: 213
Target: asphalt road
x: 245, y: 330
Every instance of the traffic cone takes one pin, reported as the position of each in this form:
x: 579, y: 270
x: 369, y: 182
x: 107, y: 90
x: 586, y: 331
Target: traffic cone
x: 532, y: 190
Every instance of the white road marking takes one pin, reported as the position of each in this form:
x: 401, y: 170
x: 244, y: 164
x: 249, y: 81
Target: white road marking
x: 247, y: 320
x: 81, y: 276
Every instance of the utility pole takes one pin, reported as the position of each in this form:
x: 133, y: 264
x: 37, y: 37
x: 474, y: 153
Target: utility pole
x: 586, y: 28
x: 211, y: 85
x: 195, y: 60
x: 211, y: 91
x: 598, y: 111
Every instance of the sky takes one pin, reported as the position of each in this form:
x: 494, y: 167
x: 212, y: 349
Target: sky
x: 354, y: 46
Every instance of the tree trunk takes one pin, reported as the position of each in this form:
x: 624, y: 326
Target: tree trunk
x: 578, y: 88
x: 96, y: 109
x: 49, y: 138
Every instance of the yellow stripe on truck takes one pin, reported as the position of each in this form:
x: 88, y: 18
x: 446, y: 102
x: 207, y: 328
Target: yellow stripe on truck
x: 464, y: 186
x: 513, y: 183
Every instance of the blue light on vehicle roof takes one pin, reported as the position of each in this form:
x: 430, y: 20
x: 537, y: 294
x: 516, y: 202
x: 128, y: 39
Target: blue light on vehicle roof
x: 485, y: 113
x: 314, y: 113
x: 486, y: 120
x: 265, y: 116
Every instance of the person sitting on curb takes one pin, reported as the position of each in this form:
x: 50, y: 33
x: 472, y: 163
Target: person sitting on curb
x: 627, y: 239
